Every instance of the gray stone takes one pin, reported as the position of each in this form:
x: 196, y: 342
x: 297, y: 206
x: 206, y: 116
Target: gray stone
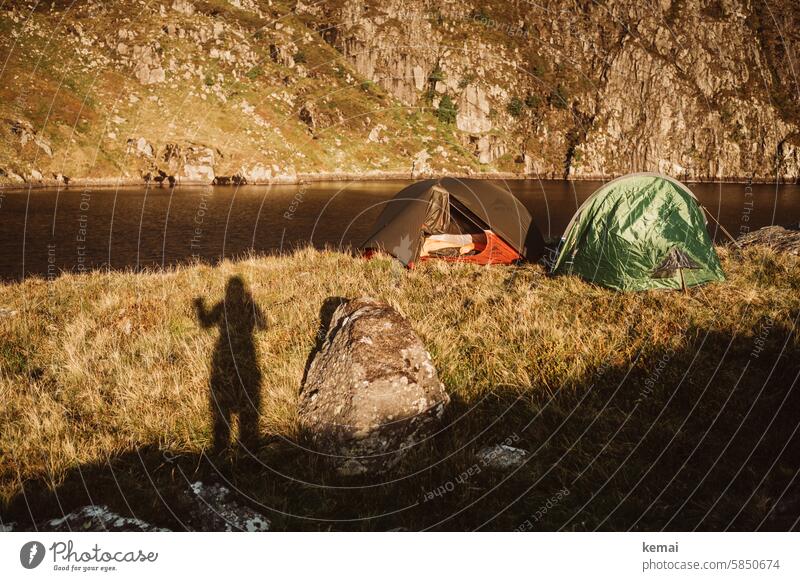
x: 190, y: 162
x: 140, y: 146
x: 147, y: 65
x: 215, y: 510
x: 487, y: 148
x: 8, y: 175
x: 184, y: 7
x: 474, y: 110
x: 283, y: 53
x: 371, y: 392
x: 96, y: 519
x: 27, y: 134
x: 420, y: 165
x: 6, y: 313
x: 198, y: 164
x: 258, y: 173
x: 502, y: 457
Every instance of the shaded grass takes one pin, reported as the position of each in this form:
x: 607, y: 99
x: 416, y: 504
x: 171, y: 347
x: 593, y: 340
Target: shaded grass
x: 653, y: 410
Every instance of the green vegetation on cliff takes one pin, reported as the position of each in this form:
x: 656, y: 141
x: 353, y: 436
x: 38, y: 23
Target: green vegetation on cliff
x: 266, y: 90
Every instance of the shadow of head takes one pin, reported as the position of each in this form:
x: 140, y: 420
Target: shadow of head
x: 326, y: 311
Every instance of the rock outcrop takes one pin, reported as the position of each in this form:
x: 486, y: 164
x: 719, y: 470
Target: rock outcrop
x: 190, y: 162
x: 215, y: 509
x: 147, y: 65
x: 371, y: 392
x: 96, y: 519
x: 25, y: 133
x: 683, y: 88
x: 697, y: 89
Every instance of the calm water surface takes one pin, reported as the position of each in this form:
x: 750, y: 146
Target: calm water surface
x: 46, y: 231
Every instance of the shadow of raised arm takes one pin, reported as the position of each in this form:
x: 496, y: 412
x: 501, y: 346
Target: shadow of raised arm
x: 207, y: 318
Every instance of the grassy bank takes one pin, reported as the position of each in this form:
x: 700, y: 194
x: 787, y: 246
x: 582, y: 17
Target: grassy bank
x: 640, y: 410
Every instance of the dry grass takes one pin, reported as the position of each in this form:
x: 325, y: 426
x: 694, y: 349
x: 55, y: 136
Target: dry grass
x: 102, y: 374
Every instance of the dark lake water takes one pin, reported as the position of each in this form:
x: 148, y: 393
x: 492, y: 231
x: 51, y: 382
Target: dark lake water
x: 43, y: 232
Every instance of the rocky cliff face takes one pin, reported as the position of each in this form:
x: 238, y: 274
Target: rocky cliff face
x: 585, y: 89
x: 248, y: 90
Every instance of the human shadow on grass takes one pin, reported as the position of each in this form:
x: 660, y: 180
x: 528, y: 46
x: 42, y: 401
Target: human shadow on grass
x: 235, y: 379
x: 699, y: 437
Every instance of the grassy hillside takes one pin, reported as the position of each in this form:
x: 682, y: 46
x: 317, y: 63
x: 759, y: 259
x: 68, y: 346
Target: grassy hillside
x: 650, y: 410
x: 266, y: 90
x: 93, y: 78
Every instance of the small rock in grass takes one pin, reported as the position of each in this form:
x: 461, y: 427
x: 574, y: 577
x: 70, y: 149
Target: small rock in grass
x: 7, y: 313
x: 502, y: 457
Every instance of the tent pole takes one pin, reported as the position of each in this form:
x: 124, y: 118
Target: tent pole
x: 728, y: 234
x: 683, y: 282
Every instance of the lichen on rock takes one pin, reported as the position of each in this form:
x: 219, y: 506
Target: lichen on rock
x: 371, y: 392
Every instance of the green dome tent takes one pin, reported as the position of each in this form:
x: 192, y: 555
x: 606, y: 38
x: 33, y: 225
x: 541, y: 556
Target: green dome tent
x: 640, y: 232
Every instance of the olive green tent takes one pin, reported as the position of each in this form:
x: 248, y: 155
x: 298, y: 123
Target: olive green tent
x: 436, y: 206
x: 639, y: 232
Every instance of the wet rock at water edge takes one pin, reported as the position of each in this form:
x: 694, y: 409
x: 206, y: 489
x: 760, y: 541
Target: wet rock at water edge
x: 371, y: 392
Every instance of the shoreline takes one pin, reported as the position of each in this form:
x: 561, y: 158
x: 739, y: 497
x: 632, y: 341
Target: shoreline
x: 318, y: 177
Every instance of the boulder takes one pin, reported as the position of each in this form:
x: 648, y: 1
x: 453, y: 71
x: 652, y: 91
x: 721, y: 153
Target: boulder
x: 778, y: 238
x: 283, y: 54
x: 256, y: 174
x: 184, y: 7
x: 375, y: 135
x: 487, y: 148
x: 11, y: 176
x: 371, y: 392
